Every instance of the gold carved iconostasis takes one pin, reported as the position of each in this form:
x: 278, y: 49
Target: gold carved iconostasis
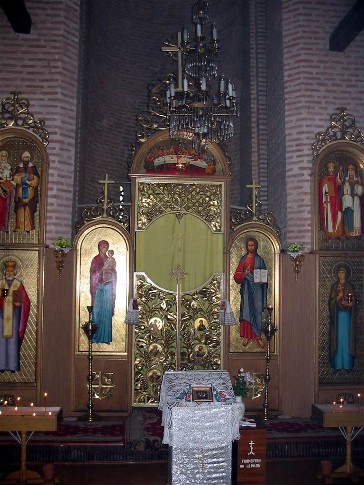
x: 180, y: 225
x: 338, y: 170
x: 23, y: 182
x: 182, y: 229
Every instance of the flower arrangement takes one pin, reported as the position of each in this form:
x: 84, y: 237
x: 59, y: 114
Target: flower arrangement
x: 62, y: 243
x: 295, y: 248
x: 248, y: 384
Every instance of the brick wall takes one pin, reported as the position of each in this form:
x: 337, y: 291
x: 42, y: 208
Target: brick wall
x: 123, y: 55
x: 316, y: 83
x: 43, y: 67
x: 275, y: 135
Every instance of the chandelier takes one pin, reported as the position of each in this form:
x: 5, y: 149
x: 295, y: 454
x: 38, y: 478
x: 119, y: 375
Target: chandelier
x: 193, y: 111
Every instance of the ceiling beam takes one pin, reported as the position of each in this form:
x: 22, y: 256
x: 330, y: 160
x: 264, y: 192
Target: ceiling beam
x: 18, y: 15
x: 350, y: 26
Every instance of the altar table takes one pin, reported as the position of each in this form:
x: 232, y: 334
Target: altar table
x: 346, y: 417
x: 25, y: 420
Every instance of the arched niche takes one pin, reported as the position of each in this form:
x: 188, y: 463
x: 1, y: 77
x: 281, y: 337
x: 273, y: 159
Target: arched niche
x: 111, y: 287
x: 269, y: 248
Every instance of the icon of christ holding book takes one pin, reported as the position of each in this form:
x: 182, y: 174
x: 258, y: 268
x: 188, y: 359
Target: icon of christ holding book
x: 252, y: 275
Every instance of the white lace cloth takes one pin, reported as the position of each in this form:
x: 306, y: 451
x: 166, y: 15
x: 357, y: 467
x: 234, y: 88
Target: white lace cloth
x: 176, y: 392
x: 201, y: 440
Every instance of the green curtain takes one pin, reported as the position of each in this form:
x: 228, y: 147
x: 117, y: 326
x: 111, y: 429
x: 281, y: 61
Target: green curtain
x: 189, y: 243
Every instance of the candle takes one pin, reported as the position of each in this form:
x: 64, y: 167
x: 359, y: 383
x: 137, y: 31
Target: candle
x: 50, y: 413
x: 222, y: 84
x: 334, y: 406
x: 31, y: 404
x: 359, y: 396
x: 184, y: 34
x: 34, y: 414
x: 45, y: 401
x: 0, y: 412
x: 214, y: 32
x: 198, y: 30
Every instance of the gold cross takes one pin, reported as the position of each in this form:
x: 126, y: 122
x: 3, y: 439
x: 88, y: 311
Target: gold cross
x: 180, y: 239
x: 177, y: 48
x: 254, y: 188
x: 178, y: 274
x: 105, y: 189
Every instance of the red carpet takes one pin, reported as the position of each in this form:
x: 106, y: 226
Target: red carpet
x: 139, y: 438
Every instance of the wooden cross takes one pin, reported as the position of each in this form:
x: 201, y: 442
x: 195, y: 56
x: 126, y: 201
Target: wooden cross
x: 105, y: 189
x: 177, y: 48
x: 254, y: 188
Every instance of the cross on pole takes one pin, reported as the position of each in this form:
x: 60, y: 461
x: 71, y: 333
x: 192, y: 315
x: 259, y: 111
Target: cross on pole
x: 254, y: 186
x: 178, y: 274
x: 177, y: 48
x: 105, y: 189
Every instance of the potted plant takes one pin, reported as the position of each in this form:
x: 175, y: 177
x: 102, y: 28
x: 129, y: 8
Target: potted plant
x: 294, y: 249
x: 61, y: 243
x: 62, y: 246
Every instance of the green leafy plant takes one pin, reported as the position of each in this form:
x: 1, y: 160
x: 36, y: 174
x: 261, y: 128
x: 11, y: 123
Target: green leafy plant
x: 295, y: 248
x: 243, y: 382
x: 62, y: 243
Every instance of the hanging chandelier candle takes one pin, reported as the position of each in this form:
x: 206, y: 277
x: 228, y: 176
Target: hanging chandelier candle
x: 193, y: 111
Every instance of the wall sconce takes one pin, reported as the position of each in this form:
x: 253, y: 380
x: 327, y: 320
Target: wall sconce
x: 295, y: 252
x: 62, y: 246
x: 297, y: 261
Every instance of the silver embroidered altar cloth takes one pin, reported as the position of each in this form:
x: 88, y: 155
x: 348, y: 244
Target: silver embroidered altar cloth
x: 200, y: 433
x: 176, y: 391
x: 201, y: 445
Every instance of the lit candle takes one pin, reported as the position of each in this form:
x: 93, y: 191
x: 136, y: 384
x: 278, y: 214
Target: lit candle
x: 0, y: 412
x: 50, y: 413
x: 334, y: 406
x: 34, y: 414
x: 359, y: 396
x: 31, y: 404
x: 45, y: 401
